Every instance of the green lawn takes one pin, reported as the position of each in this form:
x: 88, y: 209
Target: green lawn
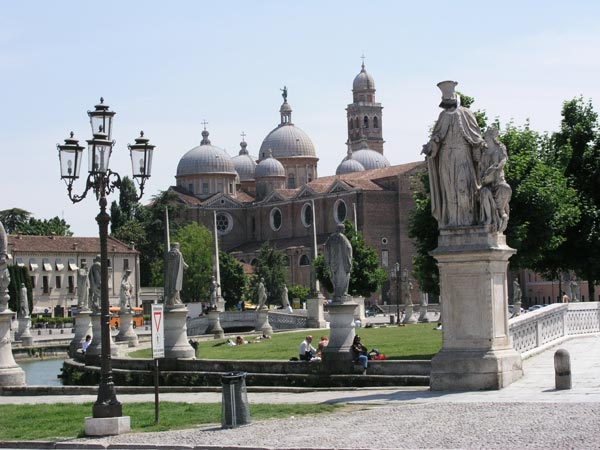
x: 418, y: 341
x: 65, y: 420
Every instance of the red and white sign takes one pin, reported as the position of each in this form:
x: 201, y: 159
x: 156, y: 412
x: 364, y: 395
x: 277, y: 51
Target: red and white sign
x: 158, y: 331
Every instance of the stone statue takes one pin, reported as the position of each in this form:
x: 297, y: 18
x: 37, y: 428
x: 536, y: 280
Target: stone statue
x: 174, y: 275
x: 95, y: 279
x: 407, y: 288
x: 261, y: 294
x: 23, y: 312
x: 338, y: 258
x: 126, y: 292
x: 284, y: 93
x: 285, y: 301
x: 495, y: 192
x: 4, y: 274
x: 213, y: 293
x: 574, y: 288
x: 452, y: 154
x: 517, y: 294
x: 83, y: 286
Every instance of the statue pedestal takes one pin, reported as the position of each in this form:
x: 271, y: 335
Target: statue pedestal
x: 126, y: 333
x: 337, y: 357
x: 262, y: 322
x: 517, y: 309
x: 220, y: 304
x: 423, y: 314
x: 316, y: 316
x: 176, y: 341
x: 359, y: 312
x: 10, y: 373
x: 214, y: 324
x: 83, y: 327
x: 23, y: 333
x: 476, y: 350
x: 95, y: 348
x: 409, y: 314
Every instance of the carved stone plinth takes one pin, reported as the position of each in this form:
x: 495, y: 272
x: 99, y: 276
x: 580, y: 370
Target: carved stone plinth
x: 337, y: 357
x: 126, y: 333
x: 476, y: 350
x: 262, y: 322
x: 316, y: 316
x: 517, y: 308
x: 220, y: 304
x: 95, y: 348
x: 23, y: 333
x: 10, y: 373
x: 214, y: 324
x: 83, y: 327
x: 409, y: 314
x: 359, y: 312
x: 176, y: 341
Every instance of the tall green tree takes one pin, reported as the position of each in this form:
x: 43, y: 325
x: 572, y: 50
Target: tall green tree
x: 125, y: 210
x: 366, y: 276
x: 44, y: 227
x: 13, y: 217
x: 195, y: 243
x: 233, y: 280
x: 271, y: 266
x: 19, y: 275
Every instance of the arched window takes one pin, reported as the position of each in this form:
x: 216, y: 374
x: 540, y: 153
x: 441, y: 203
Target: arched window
x: 304, y: 261
x: 306, y: 215
x: 375, y: 122
x: 276, y: 219
x: 339, y: 211
x: 366, y: 122
x: 356, y: 125
x: 350, y: 124
x: 291, y: 181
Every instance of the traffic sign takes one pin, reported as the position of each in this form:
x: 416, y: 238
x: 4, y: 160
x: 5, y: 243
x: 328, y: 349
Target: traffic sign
x: 158, y: 331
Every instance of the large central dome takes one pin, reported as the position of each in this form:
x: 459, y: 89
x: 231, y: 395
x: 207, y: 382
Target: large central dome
x: 287, y: 141
x: 205, y: 158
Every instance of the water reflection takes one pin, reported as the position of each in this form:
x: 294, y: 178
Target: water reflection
x: 42, y: 372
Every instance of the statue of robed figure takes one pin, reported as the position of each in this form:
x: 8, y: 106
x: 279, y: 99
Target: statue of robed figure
x: 338, y: 258
x: 175, y: 265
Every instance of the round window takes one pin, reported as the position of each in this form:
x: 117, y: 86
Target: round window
x: 339, y: 211
x: 306, y: 215
x: 224, y: 223
x: 275, y: 219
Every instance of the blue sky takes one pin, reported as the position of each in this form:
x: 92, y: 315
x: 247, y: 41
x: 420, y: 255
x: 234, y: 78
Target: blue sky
x: 164, y: 67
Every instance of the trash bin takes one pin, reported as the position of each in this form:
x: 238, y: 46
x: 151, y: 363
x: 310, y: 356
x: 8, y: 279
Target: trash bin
x: 392, y: 319
x: 234, y: 406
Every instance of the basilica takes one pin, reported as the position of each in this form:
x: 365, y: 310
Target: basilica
x: 270, y: 196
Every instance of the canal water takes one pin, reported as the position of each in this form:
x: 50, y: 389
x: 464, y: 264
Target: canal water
x: 42, y: 372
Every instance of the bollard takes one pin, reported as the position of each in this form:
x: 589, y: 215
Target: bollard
x: 562, y: 369
x: 234, y: 409
x: 392, y: 319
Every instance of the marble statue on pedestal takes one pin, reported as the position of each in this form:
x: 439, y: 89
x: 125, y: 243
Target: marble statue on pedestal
x: 95, y: 279
x: 126, y: 292
x: 261, y: 294
x: 23, y: 303
x: 517, y: 294
x: 174, y: 275
x: 407, y: 288
x: 452, y: 154
x: 285, y: 301
x: 213, y: 290
x: 338, y: 258
x: 83, y: 287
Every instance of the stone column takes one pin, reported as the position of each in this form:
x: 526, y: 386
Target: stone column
x: 214, y: 324
x: 476, y: 350
x: 83, y: 327
x: 23, y: 333
x: 176, y: 341
x: 262, y: 322
x: 95, y: 348
x: 126, y: 333
x: 337, y: 357
x: 10, y: 373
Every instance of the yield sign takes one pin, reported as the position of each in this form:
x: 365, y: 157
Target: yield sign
x: 158, y: 331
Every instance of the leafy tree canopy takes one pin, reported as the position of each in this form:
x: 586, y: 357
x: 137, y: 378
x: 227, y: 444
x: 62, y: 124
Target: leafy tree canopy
x: 195, y: 243
x: 12, y: 218
x: 271, y: 266
x: 44, y: 227
x: 233, y: 280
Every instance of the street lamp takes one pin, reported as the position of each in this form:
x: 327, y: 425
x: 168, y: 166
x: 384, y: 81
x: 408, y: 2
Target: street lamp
x: 102, y: 181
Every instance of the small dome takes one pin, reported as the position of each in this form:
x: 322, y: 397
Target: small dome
x: 287, y: 141
x: 285, y: 107
x: 244, y: 164
x: 205, y: 158
x: 269, y: 167
x: 363, y: 81
x: 370, y: 159
x: 349, y: 166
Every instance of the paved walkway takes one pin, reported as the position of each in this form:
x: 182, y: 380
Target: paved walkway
x: 530, y: 413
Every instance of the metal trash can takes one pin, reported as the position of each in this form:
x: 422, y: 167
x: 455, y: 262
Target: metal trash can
x: 234, y: 406
x: 392, y: 319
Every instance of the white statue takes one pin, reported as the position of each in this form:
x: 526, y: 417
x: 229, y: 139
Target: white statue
x: 214, y: 286
x: 338, y: 258
x: 95, y: 279
x: 174, y: 275
x: 517, y: 294
x: 407, y: 288
x: 24, y: 304
x: 574, y: 288
x: 83, y: 287
x: 452, y: 154
x: 126, y: 292
x: 261, y: 294
x: 4, y: 274
x: 495, y: 192
x: 285, y: 301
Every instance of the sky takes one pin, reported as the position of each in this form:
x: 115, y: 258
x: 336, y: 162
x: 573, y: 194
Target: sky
x: 165, y: 67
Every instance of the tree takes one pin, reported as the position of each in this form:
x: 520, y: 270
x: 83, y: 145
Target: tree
x: 195, y: 243
x: 271, y: 267
x: 19, y: 275
x: 298, y: 291
x: 12, y: 218
x: 45, y: 227
x: 366, y: 276
x: 233, y: 280
x: 124, y: 211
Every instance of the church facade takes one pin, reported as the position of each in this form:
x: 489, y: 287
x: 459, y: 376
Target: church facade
x: 270, y: 196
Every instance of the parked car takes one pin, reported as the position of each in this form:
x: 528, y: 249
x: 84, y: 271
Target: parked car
x: 535, y: 307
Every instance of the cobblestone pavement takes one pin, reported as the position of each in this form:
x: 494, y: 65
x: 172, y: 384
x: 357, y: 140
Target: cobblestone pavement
x: 529, y: 414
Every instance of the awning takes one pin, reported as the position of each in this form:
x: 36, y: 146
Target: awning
x: 73, y: 267
x: 59, y: 267
x: 33, y: 267
x: 20, y: 262
x: 47, y: 267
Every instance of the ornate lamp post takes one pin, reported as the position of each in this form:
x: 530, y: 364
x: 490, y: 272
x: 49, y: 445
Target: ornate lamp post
x: 102, y: 181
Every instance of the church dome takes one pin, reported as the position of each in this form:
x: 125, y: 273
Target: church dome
x: 244, y: 164
x: 349, y: 165
x: 269, y: 167
x: 370, y: 159
x: 363, y: 81
x: 205, y: 158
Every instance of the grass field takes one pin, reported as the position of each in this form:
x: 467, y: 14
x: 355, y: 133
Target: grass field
x: 418, y: 341
x: 65, y: 420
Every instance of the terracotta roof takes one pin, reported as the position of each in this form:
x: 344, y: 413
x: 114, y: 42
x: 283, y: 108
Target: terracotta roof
x: 248, y: 268
x: 367, y: 175
x: 281, y: 244
x: 63, y: 244
x: 185, y: 198
x: 244, y: 197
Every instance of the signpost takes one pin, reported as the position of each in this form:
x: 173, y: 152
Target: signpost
x: 158, y: 347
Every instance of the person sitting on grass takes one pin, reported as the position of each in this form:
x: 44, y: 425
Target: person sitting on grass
x: 240, y: 341
x: 359, y: 353
x: 306, y: 351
